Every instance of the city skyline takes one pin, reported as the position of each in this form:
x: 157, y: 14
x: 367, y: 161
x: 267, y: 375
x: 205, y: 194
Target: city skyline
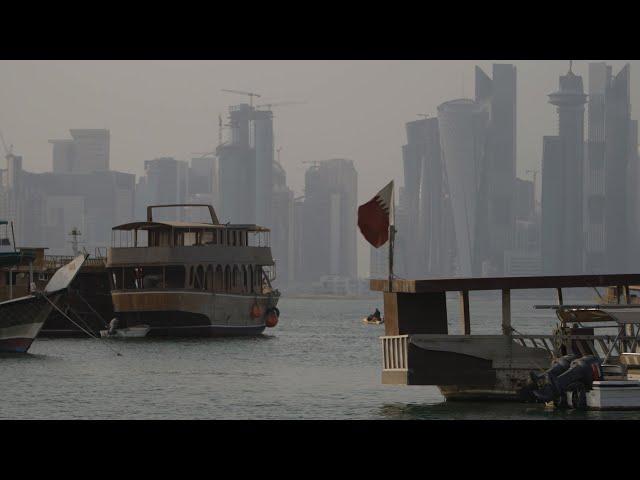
x: 376, y: 160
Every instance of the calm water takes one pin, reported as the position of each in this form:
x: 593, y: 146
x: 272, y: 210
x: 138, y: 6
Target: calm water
x: 320, y: 362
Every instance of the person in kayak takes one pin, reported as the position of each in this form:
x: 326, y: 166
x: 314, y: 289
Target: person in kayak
x: 375, y: 316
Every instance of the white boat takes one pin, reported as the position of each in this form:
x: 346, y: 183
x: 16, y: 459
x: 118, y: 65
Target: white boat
x: 608, y: 395
x: 131, y: 332
x: 605, y: 373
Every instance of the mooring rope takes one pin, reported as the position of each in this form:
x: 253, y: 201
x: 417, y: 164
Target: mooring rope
x: 91, y: 334
x: 92, y: 309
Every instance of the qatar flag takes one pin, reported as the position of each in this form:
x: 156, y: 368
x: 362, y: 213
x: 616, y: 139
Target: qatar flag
x: 375, y: 216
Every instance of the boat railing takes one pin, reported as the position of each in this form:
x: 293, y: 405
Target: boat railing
x: 599, y: 345
x: 57, y: 261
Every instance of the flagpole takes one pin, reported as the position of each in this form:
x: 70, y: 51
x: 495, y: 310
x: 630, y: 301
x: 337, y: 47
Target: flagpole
x: 392, y: 237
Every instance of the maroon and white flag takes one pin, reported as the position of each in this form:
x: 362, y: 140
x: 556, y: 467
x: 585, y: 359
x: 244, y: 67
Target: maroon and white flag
x: 375, y: 216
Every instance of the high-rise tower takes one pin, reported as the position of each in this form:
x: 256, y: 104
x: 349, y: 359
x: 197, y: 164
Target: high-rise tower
x: 562, y: 171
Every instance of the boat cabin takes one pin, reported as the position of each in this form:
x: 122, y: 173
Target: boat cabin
x: 230, y: 258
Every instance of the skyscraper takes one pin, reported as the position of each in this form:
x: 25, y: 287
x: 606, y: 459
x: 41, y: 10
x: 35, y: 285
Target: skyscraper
x: 264, y: 161
x: 86, y: 152
x: 424, y: 191
x: 497, y: 96
x: 329, y: 220
x: 282, y: 230
x: 165, y: 182
x: 562, y: 181
x: 237, y: 168
x: 594, y: 168
x: 247, y: 160
x: 617, y: 153
x: 463, y: 135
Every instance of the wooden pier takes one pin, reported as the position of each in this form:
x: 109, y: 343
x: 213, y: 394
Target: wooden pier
x: 417, y: 348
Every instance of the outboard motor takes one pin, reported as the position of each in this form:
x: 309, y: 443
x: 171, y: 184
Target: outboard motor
x: 578, y: 377
x: 558, y: 367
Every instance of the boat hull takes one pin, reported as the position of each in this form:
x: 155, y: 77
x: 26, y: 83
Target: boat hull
x: 463, y: 367
x: 187, y: 313
x: 21, y: 320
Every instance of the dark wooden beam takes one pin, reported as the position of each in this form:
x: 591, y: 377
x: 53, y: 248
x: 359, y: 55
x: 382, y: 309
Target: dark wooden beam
x: 505, y: 283
x: 465, y: 316
x: 506, y: 312
x: 559, y: 295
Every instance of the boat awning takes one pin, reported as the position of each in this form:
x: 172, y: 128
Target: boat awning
x: 625, y: 316
x: 591, y: 315
x: 503, y: 283
x: 187, y: 226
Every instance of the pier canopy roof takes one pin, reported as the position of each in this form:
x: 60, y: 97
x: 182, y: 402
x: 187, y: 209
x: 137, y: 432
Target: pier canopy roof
x: 504, y: 283
x: 188, y: 226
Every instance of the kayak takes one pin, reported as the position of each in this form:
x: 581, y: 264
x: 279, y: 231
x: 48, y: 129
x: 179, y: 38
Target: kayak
x: 372, y: 322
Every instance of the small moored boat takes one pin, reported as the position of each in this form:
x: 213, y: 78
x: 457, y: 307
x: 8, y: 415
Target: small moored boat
x: 22, y: 318
x: 130, y: 332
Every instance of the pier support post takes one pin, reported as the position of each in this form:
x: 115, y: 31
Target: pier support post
x: 465, y: 318
x: 559, y: 292
x: 627, y: 295
x: 506, y: 312
x: 415, y: 313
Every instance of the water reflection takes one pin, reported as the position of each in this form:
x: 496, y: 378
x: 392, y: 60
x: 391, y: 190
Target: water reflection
x: 489, y: 411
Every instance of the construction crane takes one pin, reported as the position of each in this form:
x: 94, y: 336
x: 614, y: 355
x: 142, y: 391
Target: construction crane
x: 7, y: 151
x: 239, y: 92
x: 279, y: 104
x: 203, y: 154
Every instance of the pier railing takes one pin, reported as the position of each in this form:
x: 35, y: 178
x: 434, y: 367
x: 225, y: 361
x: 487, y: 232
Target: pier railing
x: 394, y: 352
x: 395, y: 347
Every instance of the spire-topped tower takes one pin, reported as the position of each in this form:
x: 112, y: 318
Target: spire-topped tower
x: 562, y: 180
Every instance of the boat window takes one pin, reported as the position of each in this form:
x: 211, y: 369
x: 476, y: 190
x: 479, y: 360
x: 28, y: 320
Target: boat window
x: 132, y: 278
x: 174, y: 276
x: 250, y: 280
x: 191, y: 277
x: 227, y: 278
x: 258, y: 279
x: 116, y: 278
x: 208, y: 280
x: 162, y: 238
x: 207, y: 238
x: 236, y: 278
x: 149, y: 277
x: 219, y: 280
x: 189, y: 239
x: 244, y: 279
x: 229, y: 237
x: 199, y: 280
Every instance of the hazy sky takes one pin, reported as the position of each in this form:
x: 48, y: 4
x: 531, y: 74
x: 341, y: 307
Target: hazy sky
x: 354, y: 109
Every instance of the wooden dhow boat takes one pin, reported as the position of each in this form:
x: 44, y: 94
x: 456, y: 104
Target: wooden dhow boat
x: 21, y: 319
